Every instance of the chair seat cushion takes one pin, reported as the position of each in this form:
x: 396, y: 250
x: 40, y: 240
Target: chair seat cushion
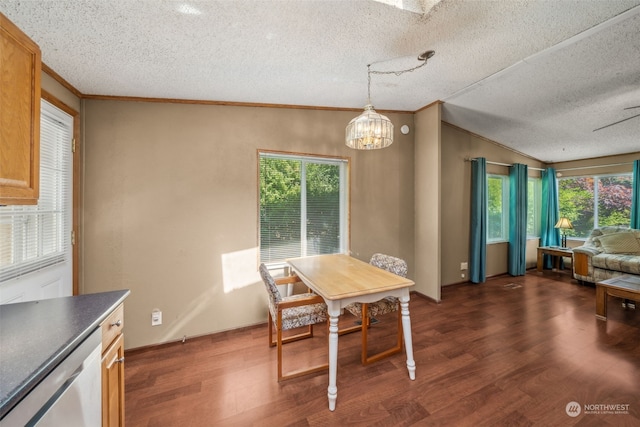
x: 305, y: 315
x: 378, y: 308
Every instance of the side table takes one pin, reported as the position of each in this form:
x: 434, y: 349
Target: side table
x: 555, y: 251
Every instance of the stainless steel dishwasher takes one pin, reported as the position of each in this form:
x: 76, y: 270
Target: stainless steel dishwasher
x: 69, y: 396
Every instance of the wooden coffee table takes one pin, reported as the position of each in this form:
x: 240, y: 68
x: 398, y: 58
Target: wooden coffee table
x: 622, y: 287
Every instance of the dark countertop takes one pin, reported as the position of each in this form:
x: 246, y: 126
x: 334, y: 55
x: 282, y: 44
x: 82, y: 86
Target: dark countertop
x: 35, y: 336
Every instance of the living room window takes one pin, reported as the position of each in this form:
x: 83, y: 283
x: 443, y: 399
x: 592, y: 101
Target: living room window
x: 303, y: 206
x: 497, y: 208
x: 534, y: 198
x: 595, y: 201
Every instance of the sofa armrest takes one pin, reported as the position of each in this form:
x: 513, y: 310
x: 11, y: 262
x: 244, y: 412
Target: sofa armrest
x: 582, y: 266
x: 581, y: 263
x: 586, y: 250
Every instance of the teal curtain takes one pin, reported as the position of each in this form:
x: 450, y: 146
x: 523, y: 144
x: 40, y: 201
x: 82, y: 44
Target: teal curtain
x: 478, y: 244
x: 518, y: 219
x: 549, y: 235
x: 635, y: 196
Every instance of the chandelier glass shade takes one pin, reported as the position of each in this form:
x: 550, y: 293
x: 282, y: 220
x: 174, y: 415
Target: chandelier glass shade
x: 369, y: 131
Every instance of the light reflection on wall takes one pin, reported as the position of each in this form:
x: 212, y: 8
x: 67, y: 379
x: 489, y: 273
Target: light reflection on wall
x: 240, y: 269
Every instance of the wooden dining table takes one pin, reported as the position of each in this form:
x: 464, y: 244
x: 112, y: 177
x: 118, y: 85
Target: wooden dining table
x: 341, y: 280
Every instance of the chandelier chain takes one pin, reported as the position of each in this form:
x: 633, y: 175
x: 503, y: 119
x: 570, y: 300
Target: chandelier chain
x: 401, y: 72
x: 397, y: 73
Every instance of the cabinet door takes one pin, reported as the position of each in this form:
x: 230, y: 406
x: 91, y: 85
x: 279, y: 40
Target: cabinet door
x: 20, y: 66
x: 113, y: 384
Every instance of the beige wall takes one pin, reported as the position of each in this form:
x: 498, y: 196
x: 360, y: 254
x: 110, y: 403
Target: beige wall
x: 427, y: 202
x: 458, y: 145
x: 170, y: 206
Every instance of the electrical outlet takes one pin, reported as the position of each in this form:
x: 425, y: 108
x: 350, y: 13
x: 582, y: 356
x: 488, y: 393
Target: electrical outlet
x: 462, y: 275
x: 156, y: 317
x: 464, y: 266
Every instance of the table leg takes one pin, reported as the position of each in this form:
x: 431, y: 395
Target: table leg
x: 540, y: 257
x: 332, y: 390
x: 601, y: 302
x: 406, y: 330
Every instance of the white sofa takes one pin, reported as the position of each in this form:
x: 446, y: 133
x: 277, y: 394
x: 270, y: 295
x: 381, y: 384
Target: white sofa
x: 607, y: 253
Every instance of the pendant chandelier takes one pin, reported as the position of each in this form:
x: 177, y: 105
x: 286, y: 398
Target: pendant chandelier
x: 371, y: 130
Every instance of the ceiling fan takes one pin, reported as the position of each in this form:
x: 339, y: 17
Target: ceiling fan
x: 620, y: 121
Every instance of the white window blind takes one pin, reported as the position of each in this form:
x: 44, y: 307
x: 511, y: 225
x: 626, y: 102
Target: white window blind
x: 34, y: 237
x: 302, y: 206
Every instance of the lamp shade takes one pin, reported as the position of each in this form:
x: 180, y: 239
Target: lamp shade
x: 563, y: 223
x: 369, y: 131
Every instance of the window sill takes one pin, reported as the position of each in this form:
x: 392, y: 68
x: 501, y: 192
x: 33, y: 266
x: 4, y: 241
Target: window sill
x: 494, y: 242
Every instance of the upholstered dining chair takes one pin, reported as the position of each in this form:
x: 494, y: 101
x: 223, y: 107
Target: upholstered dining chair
x: 387, y: 305
x: 292, y: 312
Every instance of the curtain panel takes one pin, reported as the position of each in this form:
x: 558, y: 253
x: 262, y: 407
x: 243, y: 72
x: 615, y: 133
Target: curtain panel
x: 478, y: 244
x: 549, y: 235
x: 518, y: 180
x: 635, y: 196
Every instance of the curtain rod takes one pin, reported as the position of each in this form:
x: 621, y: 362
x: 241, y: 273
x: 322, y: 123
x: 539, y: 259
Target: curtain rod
x: 557, y: 170
x: 503, y: 164
x: 593, y: 167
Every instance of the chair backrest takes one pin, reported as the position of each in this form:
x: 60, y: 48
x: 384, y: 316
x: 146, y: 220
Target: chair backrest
x: 390, y: 263
x: 270, y: 284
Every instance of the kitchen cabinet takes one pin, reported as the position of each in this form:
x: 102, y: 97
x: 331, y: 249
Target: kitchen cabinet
x: 55, y: 347
x: 113, y: 369
x: 20, y: 67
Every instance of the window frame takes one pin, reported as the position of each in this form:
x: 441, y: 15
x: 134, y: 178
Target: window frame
x: 537, y: 208
x: 21, y: 263
x: 344, y: 200
x: 596, y: 179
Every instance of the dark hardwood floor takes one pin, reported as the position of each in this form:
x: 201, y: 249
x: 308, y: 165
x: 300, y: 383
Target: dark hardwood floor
x: 514, y: 351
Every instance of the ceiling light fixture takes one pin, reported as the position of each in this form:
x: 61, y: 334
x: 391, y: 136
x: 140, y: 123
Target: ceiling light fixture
x: 187, y: 9
x: 416, y: 6
x: 371, y: 130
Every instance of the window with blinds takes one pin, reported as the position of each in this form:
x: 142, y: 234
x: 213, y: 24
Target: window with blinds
x: 303, y: 206
x: 37, y: 236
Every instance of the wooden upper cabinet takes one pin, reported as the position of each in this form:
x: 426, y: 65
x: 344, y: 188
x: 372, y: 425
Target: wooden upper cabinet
x: 20, y: 66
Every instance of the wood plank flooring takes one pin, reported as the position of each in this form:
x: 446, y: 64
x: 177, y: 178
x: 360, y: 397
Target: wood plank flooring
x: 514, y: 351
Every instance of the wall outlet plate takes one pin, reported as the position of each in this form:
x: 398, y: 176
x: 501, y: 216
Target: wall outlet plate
x: 156, y: 317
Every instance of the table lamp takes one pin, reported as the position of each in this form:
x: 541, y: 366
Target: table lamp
x: 564, y: 224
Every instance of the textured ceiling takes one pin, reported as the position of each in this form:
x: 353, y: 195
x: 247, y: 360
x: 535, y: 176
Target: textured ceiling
x: 537, y: 76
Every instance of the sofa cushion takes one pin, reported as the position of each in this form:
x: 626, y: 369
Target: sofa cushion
x: 593, y: 239
x: 619, y: 243
x: 629, y: 264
